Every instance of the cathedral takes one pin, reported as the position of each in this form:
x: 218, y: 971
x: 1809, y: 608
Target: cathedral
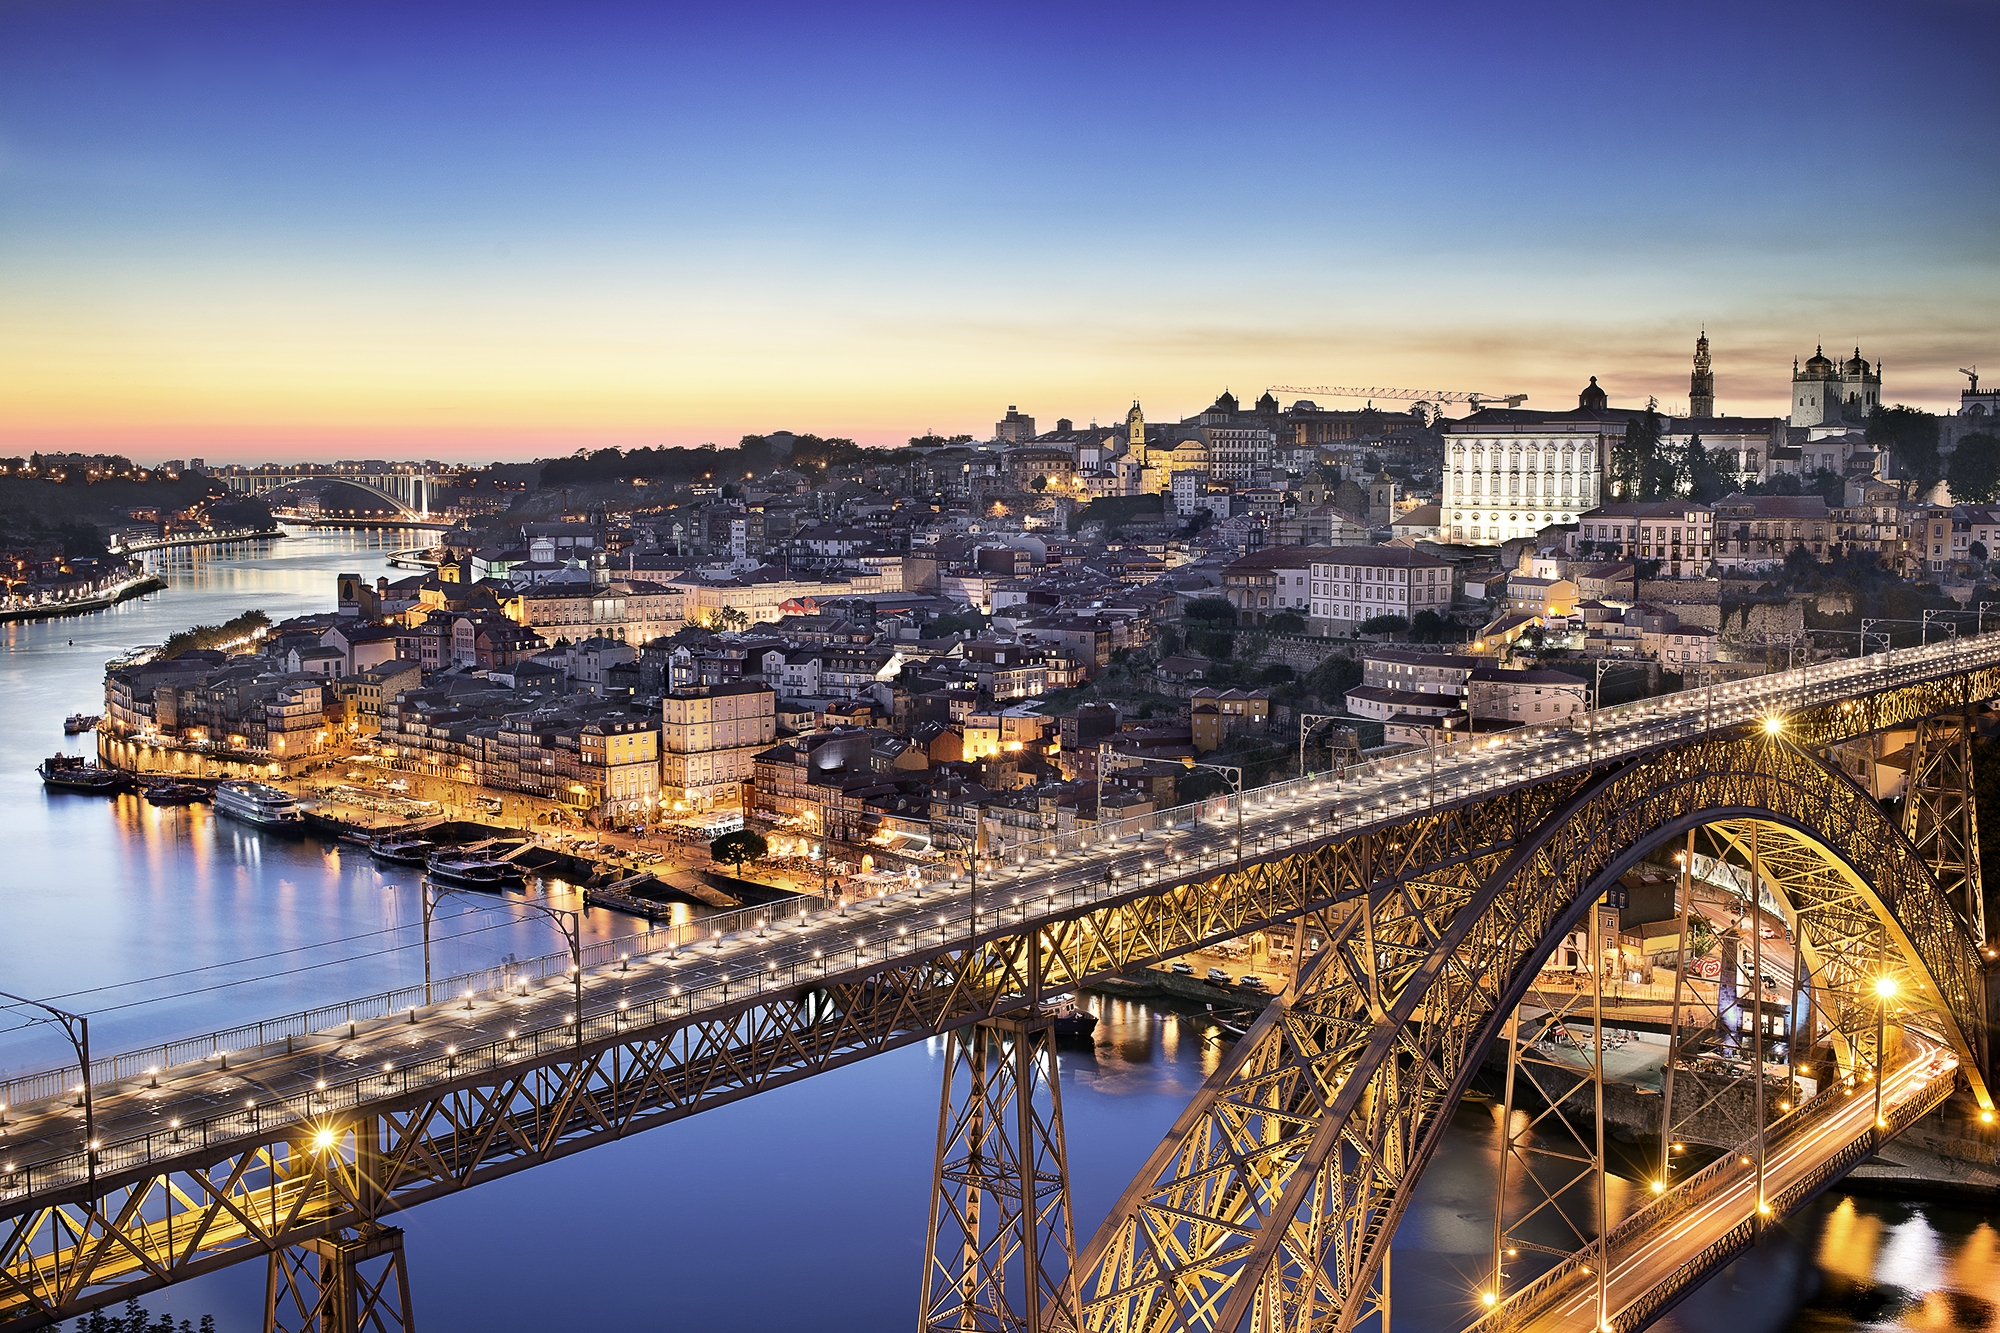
x: 1826, y: 394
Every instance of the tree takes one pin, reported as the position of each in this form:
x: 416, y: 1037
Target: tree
x: 1275, y: 674
x: 1039, y: 484
x: 729, y: 618
x: 1288, y: 621
x: 1636, y: 464
x: 1699, y: 472
x: 1911, y: 435
x: 1975, y: 470
x: 1429, y: 627
x: 733, y: 849
x: 1388, y: 624
x: 1213, y: 643
x: 1977, y: 550
x: 1211, y: 608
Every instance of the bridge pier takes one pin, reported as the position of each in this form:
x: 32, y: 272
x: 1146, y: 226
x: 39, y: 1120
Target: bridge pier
x: 350, y: 1282
x: 1000, y: 1246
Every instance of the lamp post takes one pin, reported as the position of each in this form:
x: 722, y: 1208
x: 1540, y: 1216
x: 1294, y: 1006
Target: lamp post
x: 569, y: 922
x: 1885, y: 990
x: 1235, y: 775
x: 77, y: 1028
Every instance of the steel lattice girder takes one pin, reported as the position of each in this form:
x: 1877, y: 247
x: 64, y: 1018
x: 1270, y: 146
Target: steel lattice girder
x: 64, y: 1254
x: 1274, y: 1193
x: 1938, y: 814
x: 196, y: 1208
x: 1000, y: 1238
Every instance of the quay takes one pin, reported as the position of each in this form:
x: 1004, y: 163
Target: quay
x: 96, y: 601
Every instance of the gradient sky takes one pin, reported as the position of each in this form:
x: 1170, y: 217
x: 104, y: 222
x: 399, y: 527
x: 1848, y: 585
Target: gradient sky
x: 294, y: 228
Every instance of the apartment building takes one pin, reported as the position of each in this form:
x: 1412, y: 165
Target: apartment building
x: 709, y: 739
x: 1351, y: 584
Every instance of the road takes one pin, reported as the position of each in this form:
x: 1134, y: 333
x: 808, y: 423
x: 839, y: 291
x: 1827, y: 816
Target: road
x: 1646, y: 1260
x: 670, y: 973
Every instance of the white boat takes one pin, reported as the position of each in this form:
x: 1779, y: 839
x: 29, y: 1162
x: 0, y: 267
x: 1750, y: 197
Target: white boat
x: 258, y: 803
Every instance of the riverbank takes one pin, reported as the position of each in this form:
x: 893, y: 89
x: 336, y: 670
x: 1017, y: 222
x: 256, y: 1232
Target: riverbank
x: 203, y: 539
x: 123, y: 592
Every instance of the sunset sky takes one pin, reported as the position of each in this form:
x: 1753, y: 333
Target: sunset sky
x: 299, y: 229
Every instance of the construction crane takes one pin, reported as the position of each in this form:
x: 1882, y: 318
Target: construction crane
x: 1971, y: 373
x: 1477, y: 400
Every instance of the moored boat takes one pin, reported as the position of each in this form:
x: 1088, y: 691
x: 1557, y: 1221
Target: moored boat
x: 400, y: 849
x: 175, y: 793
x: 1072, y: 1019
x: 69, y: 772
x: 76, y: 723
x: 259, y: 803
x: 471, y: 870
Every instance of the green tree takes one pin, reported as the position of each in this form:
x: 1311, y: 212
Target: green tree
x: 1636, y: 463
x: 1211, y: 608
x: 1428, y: 627
x: 1911, y: 435
x: 1039, y: 484
x: 733, y: 849
x: 729, y: 618
x: 1975, y: 470
x: 1387, y: 624
x: 1288, y: 621
x: 1699, y: 472
x: 1215, y: 643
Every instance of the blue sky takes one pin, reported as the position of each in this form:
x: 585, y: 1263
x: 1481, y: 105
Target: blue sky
x: 316, y: 229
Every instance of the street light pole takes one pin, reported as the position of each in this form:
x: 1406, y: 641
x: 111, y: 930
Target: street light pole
x: 1235, y: 775
x: 77, y: 1028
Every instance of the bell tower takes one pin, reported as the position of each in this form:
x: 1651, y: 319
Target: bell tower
x: 1701, y: 385
x: 1135, y: 431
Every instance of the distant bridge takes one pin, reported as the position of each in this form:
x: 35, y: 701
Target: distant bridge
x: 1437, y: 887
x: 406, y: 486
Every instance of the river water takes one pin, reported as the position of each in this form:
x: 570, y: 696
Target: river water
x: 799, y: 1208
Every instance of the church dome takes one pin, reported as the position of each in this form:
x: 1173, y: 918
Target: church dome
x: 1856, y: 366
x: 1819, y: 366
x: 1226, y: 403
x: 1593, y: 397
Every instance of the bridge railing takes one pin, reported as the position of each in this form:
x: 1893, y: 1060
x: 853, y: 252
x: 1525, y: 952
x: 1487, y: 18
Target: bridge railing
x: 1727, y: 1170
x: 256, y: 1119
x: 1315, y: 792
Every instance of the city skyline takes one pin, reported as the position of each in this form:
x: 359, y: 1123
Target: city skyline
x: 314, y: 233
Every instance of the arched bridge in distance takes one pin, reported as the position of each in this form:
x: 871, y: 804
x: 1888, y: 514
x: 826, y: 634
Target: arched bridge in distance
x: 406, y: 487
x: 1437, y: 886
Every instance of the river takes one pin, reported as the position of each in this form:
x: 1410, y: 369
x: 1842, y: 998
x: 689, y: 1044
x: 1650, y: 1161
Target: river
x: 798, y: 1208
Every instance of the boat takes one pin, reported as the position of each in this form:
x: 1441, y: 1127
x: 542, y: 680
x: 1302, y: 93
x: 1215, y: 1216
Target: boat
x: 175, y: 793
x: 76, y: 723
x: 472, y: 870
x: 400, y: 849
x: 259, y: 803
x: 1072, y: 1019
x: 69, y: 772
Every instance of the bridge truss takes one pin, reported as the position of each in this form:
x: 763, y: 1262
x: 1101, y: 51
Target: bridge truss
x: 1271, y: 1203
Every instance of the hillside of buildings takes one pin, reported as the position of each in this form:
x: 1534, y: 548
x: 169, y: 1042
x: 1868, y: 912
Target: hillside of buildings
x: 962, y: 644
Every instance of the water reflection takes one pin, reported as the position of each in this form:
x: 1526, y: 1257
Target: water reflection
x: 832, y: 1174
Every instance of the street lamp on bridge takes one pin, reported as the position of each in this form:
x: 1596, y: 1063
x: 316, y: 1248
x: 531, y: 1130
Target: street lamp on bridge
x: 1235, y: 776
x: 76, y: 1027
x: 569, y: 922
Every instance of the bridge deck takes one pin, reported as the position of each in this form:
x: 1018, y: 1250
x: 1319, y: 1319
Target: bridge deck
x: 200, y: 1110
x: 1677, y: 1241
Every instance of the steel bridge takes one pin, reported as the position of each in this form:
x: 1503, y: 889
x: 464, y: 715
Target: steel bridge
x: 1438, y: 885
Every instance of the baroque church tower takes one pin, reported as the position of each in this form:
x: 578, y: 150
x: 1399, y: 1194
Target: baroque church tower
x: 1701, y: 386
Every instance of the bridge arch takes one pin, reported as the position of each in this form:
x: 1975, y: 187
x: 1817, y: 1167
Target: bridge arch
x: 1279, y: 1187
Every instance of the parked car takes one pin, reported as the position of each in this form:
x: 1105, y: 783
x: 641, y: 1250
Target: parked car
x: 1218, y: 976
x: 1251, y: 981
x: 1181, y: 969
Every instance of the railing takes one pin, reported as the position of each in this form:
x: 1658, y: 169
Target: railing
x: 151, y: 1061
x: 1530, y: 1300
x: 257, y: 1119
x: 1740, y: 702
